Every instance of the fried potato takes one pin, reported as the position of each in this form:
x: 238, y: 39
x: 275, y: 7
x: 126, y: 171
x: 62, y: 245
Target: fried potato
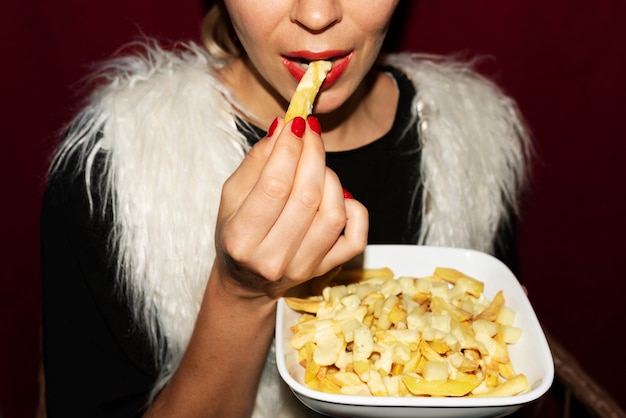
x: 301, y: 103
x: 303, y: 305
x: 452, y: 387
x: 379, y: 335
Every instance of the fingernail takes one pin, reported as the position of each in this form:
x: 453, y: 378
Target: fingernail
x: 314, y: 124
x: 347, y: 194
x: 298, y: 125
x: 272, y: 127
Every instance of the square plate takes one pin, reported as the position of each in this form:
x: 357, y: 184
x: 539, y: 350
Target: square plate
x: 530, y: 355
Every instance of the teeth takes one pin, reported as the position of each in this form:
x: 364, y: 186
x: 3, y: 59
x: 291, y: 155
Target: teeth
x: 304, y: 63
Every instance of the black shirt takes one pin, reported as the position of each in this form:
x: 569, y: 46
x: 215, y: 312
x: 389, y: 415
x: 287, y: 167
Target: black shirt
x: 384, y: 175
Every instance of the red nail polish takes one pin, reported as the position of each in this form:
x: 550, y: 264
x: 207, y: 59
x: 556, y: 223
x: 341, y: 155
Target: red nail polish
x: 314, y: 124
x: 272, y: 128
x: 298, y: 126
x: 347, y: 194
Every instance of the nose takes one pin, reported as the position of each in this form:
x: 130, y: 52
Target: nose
x: 316, y: 15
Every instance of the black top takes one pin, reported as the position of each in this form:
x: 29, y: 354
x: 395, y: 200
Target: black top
x: 96, y: 362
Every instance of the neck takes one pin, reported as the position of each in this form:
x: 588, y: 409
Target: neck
x: 365, y: 117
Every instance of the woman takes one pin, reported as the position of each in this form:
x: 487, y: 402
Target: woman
x: 172, y: 221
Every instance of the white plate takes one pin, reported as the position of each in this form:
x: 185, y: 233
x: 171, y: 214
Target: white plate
x: 531, y: 355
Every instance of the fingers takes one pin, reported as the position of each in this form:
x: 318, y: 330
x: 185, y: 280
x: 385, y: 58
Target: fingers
x: 282, y: 190
x: 354, y: 239
x: 324, y: 234
x: 351, y: 242
x: 264, y: 183
x: 306, y: 196
x: 283, y: 213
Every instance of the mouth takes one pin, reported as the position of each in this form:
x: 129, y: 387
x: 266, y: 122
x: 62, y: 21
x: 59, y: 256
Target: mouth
x: 303, y: 61
x: 297, y: 63
x: 305, y: 57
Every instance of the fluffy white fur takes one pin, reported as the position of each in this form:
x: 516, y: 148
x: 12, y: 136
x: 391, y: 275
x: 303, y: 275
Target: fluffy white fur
x: 168, y: 130
x: 474, y: 155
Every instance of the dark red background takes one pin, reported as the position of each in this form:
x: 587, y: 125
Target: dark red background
x: 563, y: 61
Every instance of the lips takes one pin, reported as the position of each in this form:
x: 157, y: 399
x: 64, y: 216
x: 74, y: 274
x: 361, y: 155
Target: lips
x: 295, y: 63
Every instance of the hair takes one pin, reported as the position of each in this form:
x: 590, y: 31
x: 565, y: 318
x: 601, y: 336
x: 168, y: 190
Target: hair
x: 218, y: 34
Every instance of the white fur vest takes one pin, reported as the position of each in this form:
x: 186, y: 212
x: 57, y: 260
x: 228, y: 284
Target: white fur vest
x: 167, y: 125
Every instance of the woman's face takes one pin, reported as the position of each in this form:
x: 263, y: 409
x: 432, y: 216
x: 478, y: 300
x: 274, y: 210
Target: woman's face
x: 279, y: 36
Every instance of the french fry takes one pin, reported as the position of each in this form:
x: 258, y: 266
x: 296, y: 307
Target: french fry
x: 462, y: 363
x: 448, y: 274
x: 325, y: 385
x: 350, y: 381
x: 506, y: 370
x: 301, y: 103
x: 304, y: 305
x: 491, y: 374
x: 427, y: 351
x: 378, y: 335
x: 491, y: 312
x: 311, y: 368
x: 514, y: 386
x: 422, y: 387
x: 357, y: 275
x: 440, y: 306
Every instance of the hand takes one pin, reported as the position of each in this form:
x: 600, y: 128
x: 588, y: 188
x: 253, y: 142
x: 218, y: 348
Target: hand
x: 283, y: 217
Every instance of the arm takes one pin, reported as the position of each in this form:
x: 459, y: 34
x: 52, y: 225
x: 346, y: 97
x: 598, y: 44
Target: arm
x: 280, y: 223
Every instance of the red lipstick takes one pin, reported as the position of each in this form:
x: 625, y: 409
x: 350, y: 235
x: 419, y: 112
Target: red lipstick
x: 340, y: 59
x: 339, y: 66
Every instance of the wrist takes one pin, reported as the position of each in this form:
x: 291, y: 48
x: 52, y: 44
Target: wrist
x: 231, y: 289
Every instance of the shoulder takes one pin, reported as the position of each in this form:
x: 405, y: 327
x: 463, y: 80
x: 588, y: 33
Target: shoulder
x: 424, y: 66
x: 439, y: 78
x: 147, y: 75
x: 463, y: 102
x: 151, y: 93
x: 150, y: 83
x: 453, y: 92
x: 474, y: 133
x: 165, y: 101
